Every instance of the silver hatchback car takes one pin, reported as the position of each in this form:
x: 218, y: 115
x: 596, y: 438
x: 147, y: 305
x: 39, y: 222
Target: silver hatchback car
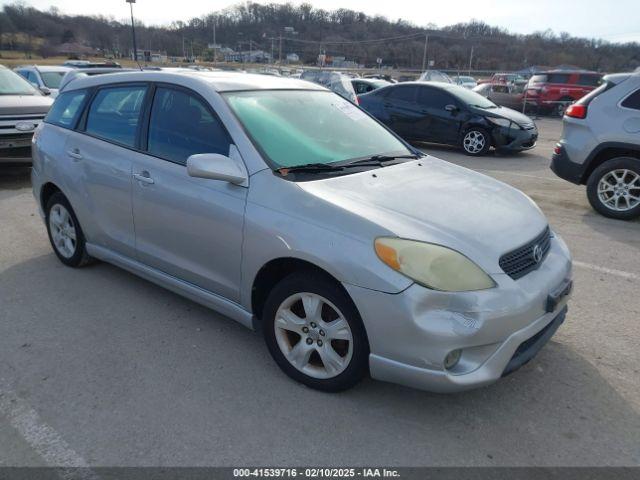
x: 287, y: 208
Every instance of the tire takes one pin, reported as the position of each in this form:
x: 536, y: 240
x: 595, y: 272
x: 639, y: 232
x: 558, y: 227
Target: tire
x: 65, y: 233
x: 613, y: 189
x: 331, y: 356
x: 476, y: 142
x: 560, y: 108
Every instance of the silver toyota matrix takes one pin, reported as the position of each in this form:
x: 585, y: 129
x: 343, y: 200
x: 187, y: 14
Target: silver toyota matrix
x: 284, y: 206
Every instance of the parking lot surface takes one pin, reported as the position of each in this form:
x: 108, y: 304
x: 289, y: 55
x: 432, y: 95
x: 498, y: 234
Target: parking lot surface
x: 99, y: 367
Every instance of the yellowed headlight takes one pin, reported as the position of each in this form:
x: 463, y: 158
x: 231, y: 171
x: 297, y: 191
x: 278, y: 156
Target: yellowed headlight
x: 432, y: 266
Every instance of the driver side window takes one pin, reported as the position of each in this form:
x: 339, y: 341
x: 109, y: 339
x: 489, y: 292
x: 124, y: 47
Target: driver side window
x: 181, y: 125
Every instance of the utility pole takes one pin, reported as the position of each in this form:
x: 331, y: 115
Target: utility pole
x: 424, y: 55
x: 214, y: 39
x: 470, y: 59
x: 280, y: 54
x: 133, y: 31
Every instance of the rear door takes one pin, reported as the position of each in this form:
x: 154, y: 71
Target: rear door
x: 103, y: 151
x: 190, y: 228
x: 401, y: 111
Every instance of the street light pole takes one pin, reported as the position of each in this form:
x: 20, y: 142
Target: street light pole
x: 133, y: 31
x: 424, y: 55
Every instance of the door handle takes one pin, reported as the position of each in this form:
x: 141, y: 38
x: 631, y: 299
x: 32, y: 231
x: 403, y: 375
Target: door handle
x: 143, y: 177
x: 75, y: 154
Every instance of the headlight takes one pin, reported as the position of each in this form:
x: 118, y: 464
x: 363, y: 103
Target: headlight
x: 503, y: 122
x: 432, y: 266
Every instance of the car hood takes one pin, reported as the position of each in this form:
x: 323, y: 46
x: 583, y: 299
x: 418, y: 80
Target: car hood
x: 504, y: 112
x: 24, y: 104
x: 435, y: 201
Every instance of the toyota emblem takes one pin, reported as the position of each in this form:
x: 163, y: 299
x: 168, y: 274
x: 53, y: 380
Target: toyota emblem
x: 537, y: 254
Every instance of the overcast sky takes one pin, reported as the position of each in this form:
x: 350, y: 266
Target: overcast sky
x: 612, y: 20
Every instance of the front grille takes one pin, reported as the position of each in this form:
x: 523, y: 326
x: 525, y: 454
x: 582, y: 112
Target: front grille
x: 522, y: 261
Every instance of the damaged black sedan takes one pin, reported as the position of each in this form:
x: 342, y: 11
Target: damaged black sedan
x: 450, y: 115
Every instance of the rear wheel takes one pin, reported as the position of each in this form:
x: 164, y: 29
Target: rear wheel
x: 64, y: 231
x: 476, y: 141
x: 314, y: 332
x: 613, y: 188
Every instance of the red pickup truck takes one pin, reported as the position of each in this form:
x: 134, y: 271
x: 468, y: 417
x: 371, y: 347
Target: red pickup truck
x: 554, y: 91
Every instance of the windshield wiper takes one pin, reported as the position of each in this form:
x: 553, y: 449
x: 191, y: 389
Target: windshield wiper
x: 309, y: 167
x: 378, y: 160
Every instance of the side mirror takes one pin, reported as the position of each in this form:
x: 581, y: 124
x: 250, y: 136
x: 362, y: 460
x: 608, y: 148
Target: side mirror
x: 45, y: 90
x: 451, y: 108
x: 216, y: 167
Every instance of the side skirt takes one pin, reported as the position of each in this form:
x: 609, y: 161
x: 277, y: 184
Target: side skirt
x: 188, y: 290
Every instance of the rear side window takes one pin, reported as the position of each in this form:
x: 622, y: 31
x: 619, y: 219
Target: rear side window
x: 588, y: 80
x: 405, y: 93
x: 558, y: 78
x: 115, y: 114
x: 632, y: 101
x: 66, y: 108
x: 181, y: 125
x: 434, y: 98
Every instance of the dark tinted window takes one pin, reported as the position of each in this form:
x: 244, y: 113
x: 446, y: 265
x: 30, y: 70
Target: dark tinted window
x: 66, y: 108
x: 588, y: 80
x: 558, y: 78
x: 115, y: 114
x: 434, y: 98
x: 406, y: 93
x: 632, y: 101
x: 181, y: 126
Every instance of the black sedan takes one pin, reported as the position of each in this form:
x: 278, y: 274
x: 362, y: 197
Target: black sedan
x: 450, y: 115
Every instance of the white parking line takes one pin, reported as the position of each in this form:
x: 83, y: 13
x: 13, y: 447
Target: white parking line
x: 608, y: 271
x: 53, y: 449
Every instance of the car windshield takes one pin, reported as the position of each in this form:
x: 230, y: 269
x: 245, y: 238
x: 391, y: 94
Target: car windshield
x: 470, y: 97
x: 299, y: 127
x: 52, y: 79
x: 13, y: 84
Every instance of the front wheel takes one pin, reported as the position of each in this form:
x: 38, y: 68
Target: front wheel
x: 476, y: 142
x: 613, y: 188
x: 314, y: 332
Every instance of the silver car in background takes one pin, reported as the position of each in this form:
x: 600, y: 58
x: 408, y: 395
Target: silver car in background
x: 46, y: 78
x: 22, y: 109
x: 287, y: 208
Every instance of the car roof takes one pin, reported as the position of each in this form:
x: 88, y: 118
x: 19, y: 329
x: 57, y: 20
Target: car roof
x: 620, y: 77
x: 219, y: 81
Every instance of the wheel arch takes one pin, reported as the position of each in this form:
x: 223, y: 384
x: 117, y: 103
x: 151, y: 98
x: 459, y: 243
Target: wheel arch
x: 277, y: 269
x: 46, y: 191
x: 605, y: 152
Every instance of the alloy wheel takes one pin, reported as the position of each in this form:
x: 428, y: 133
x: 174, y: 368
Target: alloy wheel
x: 474, y: 142
x: 313, y: 335
x: 619, y: 190
x: 63, y: 231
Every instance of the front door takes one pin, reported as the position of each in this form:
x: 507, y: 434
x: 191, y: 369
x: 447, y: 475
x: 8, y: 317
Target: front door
x: 190, y: 228
x: 439, y: 124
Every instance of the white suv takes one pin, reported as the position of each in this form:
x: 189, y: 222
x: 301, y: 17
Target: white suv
x: 600, y: 146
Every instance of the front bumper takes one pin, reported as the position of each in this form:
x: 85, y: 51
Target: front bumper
x: 514, y: 140
x: 411, y: 333
x: 15, y: 149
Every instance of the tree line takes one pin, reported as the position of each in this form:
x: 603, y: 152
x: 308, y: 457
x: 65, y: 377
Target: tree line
x: 309, y: 31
